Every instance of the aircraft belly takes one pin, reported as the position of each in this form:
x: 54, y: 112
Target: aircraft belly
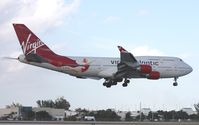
x: 167, y: 72
x: 107, y: 72
x: 91, y: 72
x: 43, y: 65
x: 180, y: 71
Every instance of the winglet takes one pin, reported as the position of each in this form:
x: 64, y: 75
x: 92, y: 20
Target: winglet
x: 121, y: 49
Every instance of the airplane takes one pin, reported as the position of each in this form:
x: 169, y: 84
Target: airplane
x: 112, y: 70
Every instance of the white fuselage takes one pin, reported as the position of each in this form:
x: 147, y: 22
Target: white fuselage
x: 113, y: 70
x: 105, y: 67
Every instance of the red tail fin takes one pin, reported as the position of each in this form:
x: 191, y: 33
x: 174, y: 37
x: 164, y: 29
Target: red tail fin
x: 35, y: 50
x: 29, y: 42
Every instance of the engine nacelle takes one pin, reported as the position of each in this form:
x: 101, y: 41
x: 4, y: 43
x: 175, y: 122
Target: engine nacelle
x: 153, y: 75
x: 145, y: 69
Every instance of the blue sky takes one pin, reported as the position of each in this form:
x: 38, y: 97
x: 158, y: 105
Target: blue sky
x: 95, y: 28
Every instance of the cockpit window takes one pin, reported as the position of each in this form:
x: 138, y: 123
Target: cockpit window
x: 181, y: 60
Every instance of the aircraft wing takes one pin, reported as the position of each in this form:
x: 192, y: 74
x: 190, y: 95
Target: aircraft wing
x: 128, y: 64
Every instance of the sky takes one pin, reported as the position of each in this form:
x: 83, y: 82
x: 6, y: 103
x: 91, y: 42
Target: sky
x: 96, y: 28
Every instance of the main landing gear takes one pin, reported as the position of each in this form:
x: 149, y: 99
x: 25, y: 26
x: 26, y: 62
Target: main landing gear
x: 108, y: 82
x: 126, y: 81
x: 175, y: 81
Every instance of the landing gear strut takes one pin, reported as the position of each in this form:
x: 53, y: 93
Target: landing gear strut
x: 175, y: 81
x: 126, y: 81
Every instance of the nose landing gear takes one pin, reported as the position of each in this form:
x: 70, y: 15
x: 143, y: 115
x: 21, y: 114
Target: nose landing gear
x: 175, y: 81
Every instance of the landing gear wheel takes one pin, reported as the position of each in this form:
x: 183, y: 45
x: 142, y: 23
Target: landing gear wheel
x: 104, y: 84
x: 124, y: 84
x: 108, y: 85
x: 175, y: 84
x: 114, y: 83
x: 175, y: 81
x: 127, y: 81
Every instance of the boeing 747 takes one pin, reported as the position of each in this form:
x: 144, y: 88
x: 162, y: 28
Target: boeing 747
x: 112, y: 70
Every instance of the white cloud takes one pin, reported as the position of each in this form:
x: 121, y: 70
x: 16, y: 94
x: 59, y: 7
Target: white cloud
x: 39, y: 15
x: 111, y: 19
x: 146, y: 51
x: 4, y: 4
x: 45, y: 13
x: 35, y: 13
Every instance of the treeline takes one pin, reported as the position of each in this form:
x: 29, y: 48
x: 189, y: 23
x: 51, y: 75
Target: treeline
x: 111, y: 115
x: 59, y: 103
x: 163, y: 116
x: 104, y: 115
x: 100, y: 115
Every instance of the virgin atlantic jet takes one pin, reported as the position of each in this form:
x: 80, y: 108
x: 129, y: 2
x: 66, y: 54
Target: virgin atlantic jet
x: 113, y: 70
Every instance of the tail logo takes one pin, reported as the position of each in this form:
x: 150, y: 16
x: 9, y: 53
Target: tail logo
x: 31, y: 46
x: 86, y: 65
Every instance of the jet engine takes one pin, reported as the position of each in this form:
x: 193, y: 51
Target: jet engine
x: 153, y: 75
x: 145, y: 69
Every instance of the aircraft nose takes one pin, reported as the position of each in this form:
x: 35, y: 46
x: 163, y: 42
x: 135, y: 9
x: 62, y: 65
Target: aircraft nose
x: 189, y: 69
